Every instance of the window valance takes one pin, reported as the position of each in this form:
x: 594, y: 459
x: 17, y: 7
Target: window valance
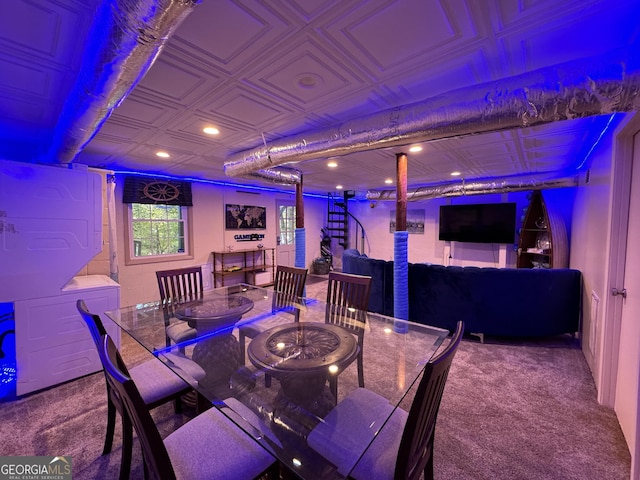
x: 156, y: 191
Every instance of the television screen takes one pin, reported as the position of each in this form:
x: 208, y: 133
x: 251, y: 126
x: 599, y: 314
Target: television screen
x: 479, y: 223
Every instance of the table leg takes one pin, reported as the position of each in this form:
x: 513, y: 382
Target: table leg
x: 301, y: 400
x: 219, y: 356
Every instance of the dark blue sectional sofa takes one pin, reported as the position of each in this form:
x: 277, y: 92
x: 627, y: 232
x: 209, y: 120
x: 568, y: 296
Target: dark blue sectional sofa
x: 505, y: 302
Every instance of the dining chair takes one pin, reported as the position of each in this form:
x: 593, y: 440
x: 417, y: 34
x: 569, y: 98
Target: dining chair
x: 287, y: 287
x: 403, y: 448
x: 347, y: 302
x: 177, y: 286
x: 208, y: 446
x: 156, y: 382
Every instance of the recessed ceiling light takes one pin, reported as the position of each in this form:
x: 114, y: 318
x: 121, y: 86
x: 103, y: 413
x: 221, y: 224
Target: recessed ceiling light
x: 388, y: 180
x: 338, y: 187
x: 455, y: 174
x: 415, y: 148
x: 211, y: 130
x: 162, y: 154
x: 332, y: 164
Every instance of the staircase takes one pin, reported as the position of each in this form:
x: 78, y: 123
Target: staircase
x: 338, y: 219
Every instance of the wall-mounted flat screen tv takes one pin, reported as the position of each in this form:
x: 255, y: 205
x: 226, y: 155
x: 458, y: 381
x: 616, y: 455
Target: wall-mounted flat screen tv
x: 478, y: 223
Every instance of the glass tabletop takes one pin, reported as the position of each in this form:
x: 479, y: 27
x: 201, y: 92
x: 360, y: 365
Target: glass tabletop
x: 270, y: 367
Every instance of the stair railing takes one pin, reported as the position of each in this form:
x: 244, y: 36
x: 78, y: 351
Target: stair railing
x: 362, y: 234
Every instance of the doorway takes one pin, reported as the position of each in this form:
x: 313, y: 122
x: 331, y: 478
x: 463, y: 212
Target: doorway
x: 628, y: 375
x: 619, y: 385
x: 286, y: 229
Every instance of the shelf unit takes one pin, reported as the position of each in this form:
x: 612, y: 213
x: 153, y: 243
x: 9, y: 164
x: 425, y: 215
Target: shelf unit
x: 543, y: 238
x: 248, y: 265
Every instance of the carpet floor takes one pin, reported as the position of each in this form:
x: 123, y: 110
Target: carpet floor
x: 511, y: 410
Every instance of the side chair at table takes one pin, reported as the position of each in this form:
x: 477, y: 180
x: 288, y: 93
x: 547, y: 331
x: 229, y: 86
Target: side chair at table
x: 157, y: 385
x: 288, y: 286
x: 403, y: 448
x: 347, y: 302
x: 177, y: 286
x: 209, y: 446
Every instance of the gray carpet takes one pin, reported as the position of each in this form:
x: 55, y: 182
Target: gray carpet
x: 511, y: 410
x: 526, y: 412
x: 314, y: 279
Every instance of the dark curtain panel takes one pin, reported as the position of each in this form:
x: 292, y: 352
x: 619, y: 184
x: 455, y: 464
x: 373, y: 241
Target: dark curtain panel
x: 156, y: 191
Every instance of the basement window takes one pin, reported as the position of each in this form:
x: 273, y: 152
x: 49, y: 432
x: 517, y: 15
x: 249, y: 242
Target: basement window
x: 157, y: 213
x: 157, y: 233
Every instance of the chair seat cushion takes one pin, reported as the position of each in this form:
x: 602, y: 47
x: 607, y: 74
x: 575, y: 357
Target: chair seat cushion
x: 349, y: 428
x: 179, y: 331
x: 253, y: 329
x: 248, y: 420
x: 156, y: 381
x: 188, y: 366
x: 212, y: 446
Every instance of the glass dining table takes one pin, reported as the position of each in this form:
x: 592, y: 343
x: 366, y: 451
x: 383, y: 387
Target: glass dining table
x: 295, y: 346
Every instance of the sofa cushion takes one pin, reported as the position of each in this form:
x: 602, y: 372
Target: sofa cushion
x: 530, y: 302
x: 441, y: 296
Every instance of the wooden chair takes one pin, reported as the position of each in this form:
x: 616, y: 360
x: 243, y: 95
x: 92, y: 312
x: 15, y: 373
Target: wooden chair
x: 403, y: 449
x: 157, y: 384
x: 177, y: 286
x: 347, y: 302
x: 209, y: 446
x: 288, y: 287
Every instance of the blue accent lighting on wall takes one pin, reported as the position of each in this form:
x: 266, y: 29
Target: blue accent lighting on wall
x: 8, y: 370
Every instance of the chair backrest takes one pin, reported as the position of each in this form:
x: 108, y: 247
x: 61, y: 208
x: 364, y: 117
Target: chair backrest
x: 97, y: 330
x: 180, y: 284
x: 347, y: 299
x: 157, y: 461
x: 416, y: 446
x: 288, y: 286
x: 95, y: 325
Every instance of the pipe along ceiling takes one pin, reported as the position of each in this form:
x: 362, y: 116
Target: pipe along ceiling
x: 125, y: 39
x: 480, y: 186
x: 578, y: 89
x: 128, y: 35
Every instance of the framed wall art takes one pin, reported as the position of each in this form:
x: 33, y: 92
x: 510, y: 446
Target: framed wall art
x: 245, y: 217
x: 415, y: 221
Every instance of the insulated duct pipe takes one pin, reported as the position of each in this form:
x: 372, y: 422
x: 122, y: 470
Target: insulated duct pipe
x: 278, y: 175
x: 126, y: 38
x: 480, y: 186
x: 576, y: 89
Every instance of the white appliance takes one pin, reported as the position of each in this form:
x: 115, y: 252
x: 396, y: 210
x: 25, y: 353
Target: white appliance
x: 50, y: 227
x: 53, y: 344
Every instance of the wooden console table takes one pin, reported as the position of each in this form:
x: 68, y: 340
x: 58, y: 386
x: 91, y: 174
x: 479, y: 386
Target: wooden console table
x: 243, y: 266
